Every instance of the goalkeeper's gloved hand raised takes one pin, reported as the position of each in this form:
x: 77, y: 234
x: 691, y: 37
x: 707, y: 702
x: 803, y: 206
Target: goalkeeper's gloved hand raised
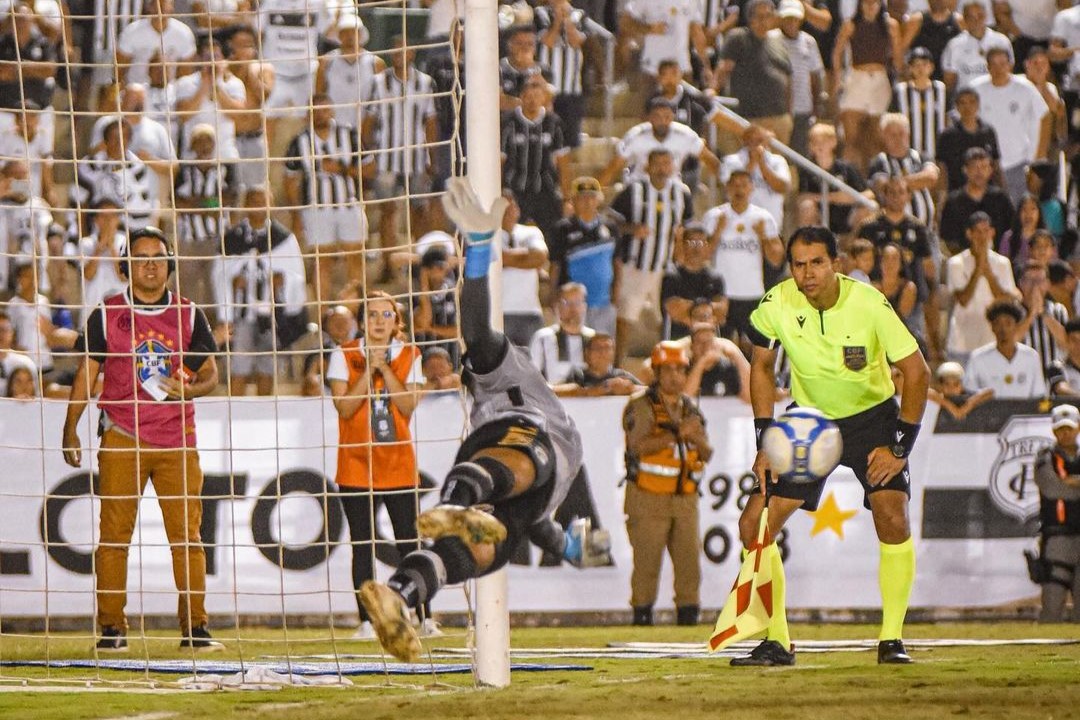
x: 464, y: 208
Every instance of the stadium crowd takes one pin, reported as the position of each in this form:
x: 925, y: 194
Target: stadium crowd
x: 277, y: 150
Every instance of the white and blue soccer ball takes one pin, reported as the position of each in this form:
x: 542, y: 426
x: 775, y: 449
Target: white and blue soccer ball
x: 802, y: 445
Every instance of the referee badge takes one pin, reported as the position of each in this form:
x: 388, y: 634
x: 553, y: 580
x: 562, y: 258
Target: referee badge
x: 854, y: 357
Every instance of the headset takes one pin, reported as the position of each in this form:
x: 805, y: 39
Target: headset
x: 151, y: 232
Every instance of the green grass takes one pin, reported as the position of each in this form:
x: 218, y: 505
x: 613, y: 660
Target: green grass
x: 1014, y: 682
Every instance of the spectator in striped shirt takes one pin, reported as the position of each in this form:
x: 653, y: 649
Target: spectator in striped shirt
x: 322, y: 171
x: 807, y: 70
x: 898, y: 158
x: 205, y: 189
x: 115, y: 170
x: 922, y: 100
x: 649, y: 212
x: 536, y: 160
x: 401, y: 127
x: 1044, y: 326
x: 564, y: 31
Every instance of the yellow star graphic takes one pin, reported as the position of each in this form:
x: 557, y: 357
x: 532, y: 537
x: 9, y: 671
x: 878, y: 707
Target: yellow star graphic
x: 829, y: 516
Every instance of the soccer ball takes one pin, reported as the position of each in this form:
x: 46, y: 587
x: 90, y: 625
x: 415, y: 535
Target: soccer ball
x: 802, y: 445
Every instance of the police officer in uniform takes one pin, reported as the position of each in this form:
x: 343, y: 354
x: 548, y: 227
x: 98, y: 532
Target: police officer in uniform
x: 666, y: 451
x: 1057, y: 473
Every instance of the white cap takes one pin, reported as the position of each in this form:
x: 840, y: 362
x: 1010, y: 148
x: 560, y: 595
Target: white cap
x: 950, y: 370
x: 791, y: 9
x: 1065, y: 416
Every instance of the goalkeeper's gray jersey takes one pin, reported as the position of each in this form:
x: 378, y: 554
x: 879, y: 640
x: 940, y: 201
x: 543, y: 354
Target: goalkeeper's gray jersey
x: 517, y: 389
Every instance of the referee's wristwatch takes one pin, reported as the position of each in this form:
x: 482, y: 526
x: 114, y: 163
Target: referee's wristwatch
x: 899, y: 451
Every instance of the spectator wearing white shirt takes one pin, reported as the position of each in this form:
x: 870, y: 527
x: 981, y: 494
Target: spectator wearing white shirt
x: 156, y: 33
x: 98, y: 255
x: 30, y: 313
x: 659, y: 131
x: 346, y: 73
x: 524, y: 253
x: 198, y: 102
x: 976, y: 278
x: 1065, y: 41
x: 807, y: 70
x: 11, y: 360
x: 150, y: 140
x: 557, y: 349
x: 669, y: 28
x: 768, y: 171
x: 1016, y: 110
x: 1009, y: 368
x: 24, y: 225
x: 26, y: 141
x: 743, y: 237
x: 965, y: 57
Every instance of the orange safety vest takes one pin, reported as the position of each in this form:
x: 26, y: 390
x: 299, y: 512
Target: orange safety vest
x: 675, y: 470
x: 378, y: 464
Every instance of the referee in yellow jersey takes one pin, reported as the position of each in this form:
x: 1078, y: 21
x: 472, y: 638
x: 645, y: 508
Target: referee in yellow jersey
x: 840, y: 336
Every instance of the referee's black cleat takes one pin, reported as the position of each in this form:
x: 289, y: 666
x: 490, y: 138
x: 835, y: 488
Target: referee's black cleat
x: 768, y: 654
x: 892, y: 652
x: 471, y: 524
x: 112, y: 640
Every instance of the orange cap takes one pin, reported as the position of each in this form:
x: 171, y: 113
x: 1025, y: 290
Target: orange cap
x: 669, y: 352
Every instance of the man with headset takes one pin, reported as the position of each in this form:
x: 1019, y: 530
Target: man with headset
x: 155, y: 352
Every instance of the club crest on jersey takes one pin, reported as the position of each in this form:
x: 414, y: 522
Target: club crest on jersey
x: 854, y: 357
x: 152, y: 357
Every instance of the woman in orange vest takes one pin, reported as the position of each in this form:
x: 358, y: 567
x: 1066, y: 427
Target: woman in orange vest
x: 375, y: 381
x: 666, y: 452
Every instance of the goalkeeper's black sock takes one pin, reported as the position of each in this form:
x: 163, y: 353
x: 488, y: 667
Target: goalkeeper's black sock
x: 418, y: 577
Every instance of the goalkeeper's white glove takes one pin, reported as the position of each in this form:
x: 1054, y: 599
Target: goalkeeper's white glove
x: 464, y: 208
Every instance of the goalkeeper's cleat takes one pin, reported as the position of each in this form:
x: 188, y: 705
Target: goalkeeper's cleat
x: 892, y: 652
x: 390, y: 618
x: 586, y: 547
x: 472, y: 525
x: 768, y: 654
x: 112, y: 640
x: 364, y: 632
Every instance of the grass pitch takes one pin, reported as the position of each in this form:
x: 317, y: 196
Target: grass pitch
x: 1014, y: 682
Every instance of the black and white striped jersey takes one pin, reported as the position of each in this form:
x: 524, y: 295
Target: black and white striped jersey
x: 566, y: 62
x: 402, y: 110
x: 1039, y: 337
x: 306, y: 155
x: 110, y: 17
x: 662, y: 210
x: 529, y: 150
x: 922, y: 202
x: 209, y: 185
x: 925, y: 110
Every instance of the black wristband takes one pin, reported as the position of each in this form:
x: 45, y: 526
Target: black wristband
x: 760, y: 424
x: 905, y: 435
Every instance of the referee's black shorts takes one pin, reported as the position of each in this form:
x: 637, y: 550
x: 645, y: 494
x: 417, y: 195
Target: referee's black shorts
x: 861, y: 433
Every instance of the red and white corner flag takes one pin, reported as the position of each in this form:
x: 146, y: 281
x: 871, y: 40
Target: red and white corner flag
x: 749, y: 607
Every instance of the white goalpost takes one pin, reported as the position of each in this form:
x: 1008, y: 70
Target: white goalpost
x: 484, y: 168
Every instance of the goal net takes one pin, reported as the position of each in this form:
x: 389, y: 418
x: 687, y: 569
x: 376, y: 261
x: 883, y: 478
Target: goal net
x: 292, y: 153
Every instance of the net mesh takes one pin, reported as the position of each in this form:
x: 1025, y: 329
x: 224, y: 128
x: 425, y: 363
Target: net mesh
x: 292, y: 152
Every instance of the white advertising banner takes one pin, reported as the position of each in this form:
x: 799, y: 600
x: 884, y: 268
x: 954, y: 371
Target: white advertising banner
x: 274, y: 535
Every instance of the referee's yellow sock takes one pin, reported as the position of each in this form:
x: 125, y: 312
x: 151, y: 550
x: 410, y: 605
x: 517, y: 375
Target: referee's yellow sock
x: 778, y: 627
x: 896, y: 575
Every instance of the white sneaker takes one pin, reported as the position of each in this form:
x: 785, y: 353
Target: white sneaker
x: 430, y: 629
x: 364, y: 632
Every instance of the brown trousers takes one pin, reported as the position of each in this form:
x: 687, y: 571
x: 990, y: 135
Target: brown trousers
x: 655, y: 523
x: 178, y: 481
